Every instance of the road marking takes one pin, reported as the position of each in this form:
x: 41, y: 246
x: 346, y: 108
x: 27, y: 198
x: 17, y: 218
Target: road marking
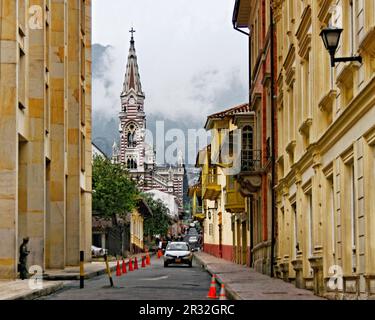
x: 155, y: 279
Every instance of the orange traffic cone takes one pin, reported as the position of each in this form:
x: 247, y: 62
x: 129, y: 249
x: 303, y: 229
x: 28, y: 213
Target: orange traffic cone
x: 212, y: 292
x: 118, y: 269
x: 131, y: 265
x: 136, y: 264
x: 222, y: 295
x: 159, y: 254
x: 143, y: 262
x: 123, y: 267
x: 148, y: 260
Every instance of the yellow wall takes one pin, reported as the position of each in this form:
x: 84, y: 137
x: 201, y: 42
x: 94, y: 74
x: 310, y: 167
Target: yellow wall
x: 326, y: 130
x: 45, y: 164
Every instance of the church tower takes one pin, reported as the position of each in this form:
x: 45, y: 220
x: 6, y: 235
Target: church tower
x: 133, y: 152
x: 132, y: 117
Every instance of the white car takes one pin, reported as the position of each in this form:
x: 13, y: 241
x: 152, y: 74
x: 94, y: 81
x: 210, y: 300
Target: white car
x: 178, y: 253
x: 98, y: 252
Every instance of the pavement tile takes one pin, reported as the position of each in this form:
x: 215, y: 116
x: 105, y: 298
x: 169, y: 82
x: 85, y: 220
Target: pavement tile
x: 243, y: 283
x: 20, y: 290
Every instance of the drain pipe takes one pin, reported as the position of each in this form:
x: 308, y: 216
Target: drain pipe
x: 274, y: 146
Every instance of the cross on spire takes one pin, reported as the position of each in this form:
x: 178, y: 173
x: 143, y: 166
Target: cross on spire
x: 132, y: 31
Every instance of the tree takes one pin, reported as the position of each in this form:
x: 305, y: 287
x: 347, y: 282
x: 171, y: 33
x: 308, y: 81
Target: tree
x: 160, y: 221
x: 114, y: 193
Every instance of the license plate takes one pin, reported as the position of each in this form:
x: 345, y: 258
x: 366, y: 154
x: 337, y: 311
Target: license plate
x: 178, y: 260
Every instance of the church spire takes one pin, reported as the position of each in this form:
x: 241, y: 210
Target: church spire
x: 132, y: 81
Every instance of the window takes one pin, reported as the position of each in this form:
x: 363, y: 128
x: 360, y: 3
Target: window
x: 310, y: 218
x: 353, y: 216
x: 83, y: 60
x: 83, y: 106
x: 247, y: 149
x: 22, y: 80
x: 83, y: 152
x: 231, y: 183
x: 83, y: 16
x: 132, y: 143
x: 132, y: 164
x: 295, y: 227
x: 332, y: 213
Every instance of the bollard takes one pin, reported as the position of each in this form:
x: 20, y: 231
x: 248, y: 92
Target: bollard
x: 108, y: 270
x: 82, y: 269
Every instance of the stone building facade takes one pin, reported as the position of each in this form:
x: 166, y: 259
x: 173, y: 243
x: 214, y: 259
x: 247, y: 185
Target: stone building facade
x: 45, y: 132
x: 138, y: 156
x: 258, y: 173
x: 326, y: 163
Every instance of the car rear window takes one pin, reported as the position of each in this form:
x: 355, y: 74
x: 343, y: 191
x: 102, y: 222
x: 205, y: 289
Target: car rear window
x: 178, y: 247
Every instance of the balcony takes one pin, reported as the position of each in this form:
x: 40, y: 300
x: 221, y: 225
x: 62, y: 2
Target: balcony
x: 199, y: 213
x: 235, y: 203
x: 250, y: 177
x: 211, y: 190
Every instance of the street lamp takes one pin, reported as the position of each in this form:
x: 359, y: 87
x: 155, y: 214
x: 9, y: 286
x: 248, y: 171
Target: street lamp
x: 331, y: 38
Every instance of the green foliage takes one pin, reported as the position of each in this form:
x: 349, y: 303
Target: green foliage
x: 160, y: 221
x: 113, y: 191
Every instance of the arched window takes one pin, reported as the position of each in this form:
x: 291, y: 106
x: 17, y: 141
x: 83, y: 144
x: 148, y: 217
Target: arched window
x: 132, y: 143
x: 130, y: 139
x: 129, y: 164
x: 247, y: 148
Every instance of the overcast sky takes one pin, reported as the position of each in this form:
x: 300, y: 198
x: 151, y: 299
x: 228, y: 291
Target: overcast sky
x: 192, y: 62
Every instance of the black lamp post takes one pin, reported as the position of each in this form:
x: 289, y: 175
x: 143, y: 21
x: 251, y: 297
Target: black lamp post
x: 331, y: 39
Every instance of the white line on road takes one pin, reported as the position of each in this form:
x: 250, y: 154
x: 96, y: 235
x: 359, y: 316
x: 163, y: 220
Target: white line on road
x: 155, y: 279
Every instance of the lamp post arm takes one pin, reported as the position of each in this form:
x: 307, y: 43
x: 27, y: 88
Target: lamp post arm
x: 347, y: 59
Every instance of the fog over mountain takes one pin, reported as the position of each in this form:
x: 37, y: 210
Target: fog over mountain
x: 106, y: 103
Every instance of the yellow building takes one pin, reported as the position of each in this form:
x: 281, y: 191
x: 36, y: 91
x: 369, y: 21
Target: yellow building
x: 195, y: 194
x: 137, y: 218
x: 45, y: 132
x: 226, y: 224
x: 326, y: 164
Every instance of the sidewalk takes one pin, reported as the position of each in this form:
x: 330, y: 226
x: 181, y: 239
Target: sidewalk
x: 242, y: 283
x: 20, y: 290
x: 53, y: 280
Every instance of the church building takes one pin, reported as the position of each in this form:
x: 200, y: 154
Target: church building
x: 134, y: 152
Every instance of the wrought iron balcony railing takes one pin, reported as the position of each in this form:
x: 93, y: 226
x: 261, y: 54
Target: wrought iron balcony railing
x: 251, y: 160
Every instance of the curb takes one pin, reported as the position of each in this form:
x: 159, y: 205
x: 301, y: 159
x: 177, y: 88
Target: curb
x: 39, y: 293
x: 90, y: 275
x: 231, y: 294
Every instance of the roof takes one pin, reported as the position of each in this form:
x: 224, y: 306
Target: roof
x: 241, y: 13
x: 242, y: 108
x: 144, y: 208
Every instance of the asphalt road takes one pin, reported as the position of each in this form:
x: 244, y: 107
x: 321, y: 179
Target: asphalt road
x: 152, y: 283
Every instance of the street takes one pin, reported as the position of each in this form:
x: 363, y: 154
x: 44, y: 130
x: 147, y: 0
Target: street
x: 152, y: 283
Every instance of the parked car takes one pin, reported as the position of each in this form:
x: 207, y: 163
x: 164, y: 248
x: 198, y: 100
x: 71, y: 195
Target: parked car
x: 98, y: 252
x: 178, y: 253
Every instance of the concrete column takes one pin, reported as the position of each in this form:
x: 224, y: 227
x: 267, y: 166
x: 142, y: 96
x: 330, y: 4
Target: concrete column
x: 87, y: 225
x: 55, y: 224
x: 36, y: 161
x: 73, y: 194
x: 8, y: 141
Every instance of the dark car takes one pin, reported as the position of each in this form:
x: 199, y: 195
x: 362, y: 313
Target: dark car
x: 193, y: 239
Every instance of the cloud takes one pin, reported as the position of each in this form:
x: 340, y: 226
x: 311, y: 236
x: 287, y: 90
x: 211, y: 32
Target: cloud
x: 192, y: 63
x: 188, y: 53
